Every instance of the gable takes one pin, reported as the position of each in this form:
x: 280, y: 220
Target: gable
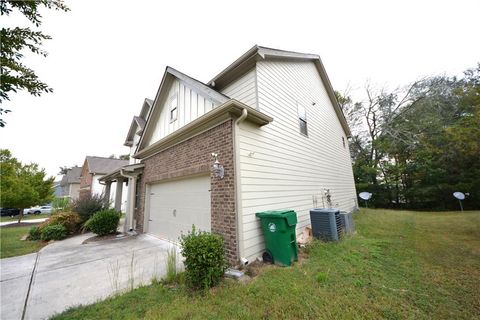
x: 191, y: 98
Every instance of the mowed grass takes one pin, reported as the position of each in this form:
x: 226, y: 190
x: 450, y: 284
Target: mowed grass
x: 11, y: 245
x: 25, y: 217
x: 399, y: 265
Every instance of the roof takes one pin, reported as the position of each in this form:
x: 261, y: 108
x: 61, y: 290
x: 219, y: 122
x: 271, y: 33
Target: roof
x: 101, y: 165
x: 72, y: 176
x: 257, y: 53
x: 231, y: 108
x: 138, y: 122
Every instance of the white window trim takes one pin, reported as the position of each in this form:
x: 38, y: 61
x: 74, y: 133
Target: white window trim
x: 174, y: 97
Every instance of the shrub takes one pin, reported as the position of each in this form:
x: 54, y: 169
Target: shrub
x: 86, y: 206
x: 54, y: 232
x: 34, y: 233
x: 103, y: 222
x: 205, y: 260
x: 70, y: 220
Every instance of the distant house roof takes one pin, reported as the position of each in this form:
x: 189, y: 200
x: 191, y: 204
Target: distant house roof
x: 72, y: 176
x: 101, y: 165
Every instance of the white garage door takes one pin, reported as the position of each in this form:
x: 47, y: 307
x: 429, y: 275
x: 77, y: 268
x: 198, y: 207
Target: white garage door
x: 177, y: 205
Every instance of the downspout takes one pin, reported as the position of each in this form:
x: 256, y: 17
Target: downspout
x: 238, y: 186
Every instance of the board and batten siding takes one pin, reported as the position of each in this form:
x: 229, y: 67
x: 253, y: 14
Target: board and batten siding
x: 280, y: 168
x: 190, y: 106
x: 243, y: 89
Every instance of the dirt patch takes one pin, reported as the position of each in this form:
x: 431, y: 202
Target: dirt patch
x: 21, y: 224
x: 115, y: 236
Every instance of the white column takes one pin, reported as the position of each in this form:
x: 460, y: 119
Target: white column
x: 118, y: 194
x: 132, y: 190
x: 108, y: 186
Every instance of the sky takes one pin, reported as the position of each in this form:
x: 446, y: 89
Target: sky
x: 107, y: 56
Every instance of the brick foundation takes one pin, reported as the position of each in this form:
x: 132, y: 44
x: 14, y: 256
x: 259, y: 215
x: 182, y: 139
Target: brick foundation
x: 193, y: 156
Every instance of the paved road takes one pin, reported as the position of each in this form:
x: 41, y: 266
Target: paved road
x: 68, y: 273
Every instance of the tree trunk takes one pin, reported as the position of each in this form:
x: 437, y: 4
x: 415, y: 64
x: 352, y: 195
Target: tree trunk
x: 20, y: 215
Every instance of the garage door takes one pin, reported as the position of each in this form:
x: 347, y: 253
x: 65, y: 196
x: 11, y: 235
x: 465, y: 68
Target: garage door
x: 176, y: 205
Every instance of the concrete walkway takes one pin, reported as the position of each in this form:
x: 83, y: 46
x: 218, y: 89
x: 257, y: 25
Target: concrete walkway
x: 68, y: 273
x: 23, y: 221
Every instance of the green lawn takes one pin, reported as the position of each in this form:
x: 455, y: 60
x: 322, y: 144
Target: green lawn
x: 25, y: 217
x: 400, y: 265
x: 11, y: 245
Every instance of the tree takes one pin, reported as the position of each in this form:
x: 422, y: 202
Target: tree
x: 14, y: 75
x: 23, y: 185
x: 415, y: 149
x: 64, y: 170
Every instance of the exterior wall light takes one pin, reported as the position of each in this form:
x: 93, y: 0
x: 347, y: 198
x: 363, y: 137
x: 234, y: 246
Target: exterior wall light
x: 217, y: 168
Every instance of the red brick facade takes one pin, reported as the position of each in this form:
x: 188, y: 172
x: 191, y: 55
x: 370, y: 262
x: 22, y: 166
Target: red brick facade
x: 86, y: 179
x: 193, y: 156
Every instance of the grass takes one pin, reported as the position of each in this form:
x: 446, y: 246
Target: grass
x: 399, y: 265
x: 11, y: 245
x: 25, y: 217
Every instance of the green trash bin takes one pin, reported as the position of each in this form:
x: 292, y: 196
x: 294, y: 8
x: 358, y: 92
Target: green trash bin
x: 279, y: 232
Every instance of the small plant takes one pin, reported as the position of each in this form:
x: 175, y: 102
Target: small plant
x: 205, y: 260
x: 131, y: 272
x: 70, y: 220
x: 53, y: 232
x: 114, y: 276
x: 60, y: 204
x: 321, y: 277
x: 171, y: 265
x: 34, y: 233
x: 104, y: 222
x: 88, y: 205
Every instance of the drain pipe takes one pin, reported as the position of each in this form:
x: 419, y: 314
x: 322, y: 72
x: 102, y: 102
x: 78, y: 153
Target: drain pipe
x: 238, y: 186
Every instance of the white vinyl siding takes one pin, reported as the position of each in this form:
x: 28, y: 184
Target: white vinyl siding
x: 280, y: 168
x: 190, y: 106
x: 243, y: 89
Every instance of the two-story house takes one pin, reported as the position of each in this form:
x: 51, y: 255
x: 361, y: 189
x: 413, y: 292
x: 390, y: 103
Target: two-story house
x: 266, y: 133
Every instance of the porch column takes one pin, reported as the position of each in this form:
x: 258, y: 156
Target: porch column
x: 108, y: 186
x: 132, y: 191
x: 118, y: 194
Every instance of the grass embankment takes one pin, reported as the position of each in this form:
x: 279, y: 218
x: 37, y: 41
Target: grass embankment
x: 399, y: 265
x: 11, y: 245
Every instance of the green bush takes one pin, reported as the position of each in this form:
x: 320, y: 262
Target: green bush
x: 70, y: 220
x: 205, y: 260
x: 35, y: 233
x: 103, y: 222
x: 86, y: 206
x: 53, y: 232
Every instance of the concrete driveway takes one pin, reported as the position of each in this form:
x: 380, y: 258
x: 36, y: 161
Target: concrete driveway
x: 68, y: 273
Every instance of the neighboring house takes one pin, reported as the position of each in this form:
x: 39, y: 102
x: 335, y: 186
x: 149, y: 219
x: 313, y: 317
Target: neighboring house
x: 279, y: 136
x: 95, y: 168
x: 57, y: 189
x: 70, y: 183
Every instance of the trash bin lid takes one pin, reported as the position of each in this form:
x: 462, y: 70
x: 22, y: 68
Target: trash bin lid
x: 289, y: 215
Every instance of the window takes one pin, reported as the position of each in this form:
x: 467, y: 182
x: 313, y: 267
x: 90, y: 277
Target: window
x: 302, y: 119
x: 173, y: 108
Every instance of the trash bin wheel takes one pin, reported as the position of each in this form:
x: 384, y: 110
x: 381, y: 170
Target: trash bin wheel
x: 267, y: 257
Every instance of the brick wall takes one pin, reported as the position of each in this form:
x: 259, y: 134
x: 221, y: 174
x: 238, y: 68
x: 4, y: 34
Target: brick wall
x: 86, y: 179
x: 192, y: 157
